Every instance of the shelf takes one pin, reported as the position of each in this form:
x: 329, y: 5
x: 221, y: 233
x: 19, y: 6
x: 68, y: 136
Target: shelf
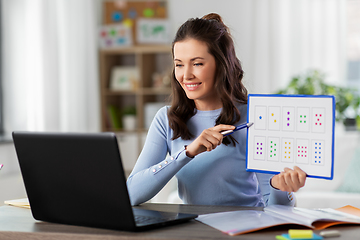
x: 138, y: 49
x: 141, y: 91
x: 149, y: 60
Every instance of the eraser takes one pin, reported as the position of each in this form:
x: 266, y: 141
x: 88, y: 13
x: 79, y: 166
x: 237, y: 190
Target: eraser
x: 332, y: 233
x: 302, y: 234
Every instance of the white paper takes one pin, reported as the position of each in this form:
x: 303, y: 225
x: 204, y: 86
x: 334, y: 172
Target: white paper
x: 291, y: 131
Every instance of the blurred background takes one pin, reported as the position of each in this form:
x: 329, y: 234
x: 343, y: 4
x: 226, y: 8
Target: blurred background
x: 94, y: 65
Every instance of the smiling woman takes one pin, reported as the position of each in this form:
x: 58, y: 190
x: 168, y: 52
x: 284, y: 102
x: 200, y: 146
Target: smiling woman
x: 195, y: 70
x: 208, y: 97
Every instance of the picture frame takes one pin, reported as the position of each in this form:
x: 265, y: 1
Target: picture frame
x: 124, y: 78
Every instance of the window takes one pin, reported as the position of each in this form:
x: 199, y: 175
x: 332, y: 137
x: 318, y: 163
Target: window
x: 353, y: 43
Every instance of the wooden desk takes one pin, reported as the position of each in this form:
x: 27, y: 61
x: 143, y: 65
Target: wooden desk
x: 18, y: 223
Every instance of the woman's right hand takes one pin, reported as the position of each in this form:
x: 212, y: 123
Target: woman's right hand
x: 208, y: 140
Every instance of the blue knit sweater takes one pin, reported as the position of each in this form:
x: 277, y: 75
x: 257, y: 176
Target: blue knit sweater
x: 218, y: 177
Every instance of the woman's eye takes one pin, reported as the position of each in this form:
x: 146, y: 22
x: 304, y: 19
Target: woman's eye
x: 198, y: 64
x: 178, y: 65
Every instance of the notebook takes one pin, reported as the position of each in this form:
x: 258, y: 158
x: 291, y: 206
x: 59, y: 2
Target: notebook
x: 78, y: 179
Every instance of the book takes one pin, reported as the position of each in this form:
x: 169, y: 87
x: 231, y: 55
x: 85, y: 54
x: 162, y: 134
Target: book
x: 246, y: 221
x: 23, y: 202
x: 114, y: 117
x: 291, y: 130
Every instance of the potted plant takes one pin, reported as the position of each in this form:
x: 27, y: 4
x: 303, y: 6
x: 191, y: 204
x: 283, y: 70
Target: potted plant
x: 129, y: 118
x: 347, y: 100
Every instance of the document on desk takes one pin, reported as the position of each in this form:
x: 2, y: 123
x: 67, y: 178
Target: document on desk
x: 245, y: 221
x: 291, y: 130
x: 23, y: 202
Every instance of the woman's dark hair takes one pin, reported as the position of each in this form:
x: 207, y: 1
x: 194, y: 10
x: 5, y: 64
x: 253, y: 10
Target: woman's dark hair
x: 211, y: 30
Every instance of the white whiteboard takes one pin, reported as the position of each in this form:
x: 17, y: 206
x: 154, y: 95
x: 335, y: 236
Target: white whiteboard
x: 291, y: 130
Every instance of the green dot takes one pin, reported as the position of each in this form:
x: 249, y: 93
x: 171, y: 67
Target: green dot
x: 301, y: 116
x: 300, y: 121
x: 274, y: 154
x: 304, y: 121
x: 148, y: 12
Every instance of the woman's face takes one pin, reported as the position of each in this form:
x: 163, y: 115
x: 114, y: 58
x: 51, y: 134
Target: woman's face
x: 195, y: 70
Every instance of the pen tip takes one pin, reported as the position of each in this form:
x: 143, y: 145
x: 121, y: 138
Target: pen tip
x: 250, y: 124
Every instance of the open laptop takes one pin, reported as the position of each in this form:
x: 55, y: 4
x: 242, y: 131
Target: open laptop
x: 78, y: 179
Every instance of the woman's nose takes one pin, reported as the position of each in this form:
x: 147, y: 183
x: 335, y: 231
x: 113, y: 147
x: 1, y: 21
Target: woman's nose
x: 188, y: 74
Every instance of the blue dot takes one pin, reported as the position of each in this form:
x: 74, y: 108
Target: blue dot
x: 260, y: 117
x: 117, y: 16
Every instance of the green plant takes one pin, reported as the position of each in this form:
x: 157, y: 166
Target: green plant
x: 312, y: 83
x: 129, y: 110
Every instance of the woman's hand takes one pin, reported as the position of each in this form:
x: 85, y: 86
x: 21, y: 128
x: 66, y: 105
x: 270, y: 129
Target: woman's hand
x: 289, y: 180
x: 208, y: 140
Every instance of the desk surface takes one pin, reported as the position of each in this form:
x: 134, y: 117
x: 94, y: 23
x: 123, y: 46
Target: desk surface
x: 18, y: 223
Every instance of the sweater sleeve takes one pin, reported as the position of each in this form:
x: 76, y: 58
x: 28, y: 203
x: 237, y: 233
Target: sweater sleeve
x: 271, y: 195
x: 154, y: 168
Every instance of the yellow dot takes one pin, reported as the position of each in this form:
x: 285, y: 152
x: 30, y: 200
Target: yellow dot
x: 272, y: 114
x: 274, y: 120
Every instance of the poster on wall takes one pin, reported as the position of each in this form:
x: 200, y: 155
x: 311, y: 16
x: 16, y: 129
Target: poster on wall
x: 153, y: 31
x: 129, y: 13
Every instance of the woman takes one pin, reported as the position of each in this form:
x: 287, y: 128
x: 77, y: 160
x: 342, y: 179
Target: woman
x: 208, y: 97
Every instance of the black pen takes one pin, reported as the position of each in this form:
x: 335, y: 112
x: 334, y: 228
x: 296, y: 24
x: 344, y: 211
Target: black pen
x: 228, y: 132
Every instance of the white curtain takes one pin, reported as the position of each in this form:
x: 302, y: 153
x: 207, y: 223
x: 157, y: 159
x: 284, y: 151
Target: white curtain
x: 277, y: 39
x: 50, y: 69
x: 291, y: 37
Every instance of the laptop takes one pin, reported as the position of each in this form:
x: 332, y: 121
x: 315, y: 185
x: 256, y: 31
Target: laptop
x: 78, y: 179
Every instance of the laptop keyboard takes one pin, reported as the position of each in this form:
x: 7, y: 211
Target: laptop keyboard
x: 146, y: 220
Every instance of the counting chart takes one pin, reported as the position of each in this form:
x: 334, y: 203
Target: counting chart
x: 291, y: 130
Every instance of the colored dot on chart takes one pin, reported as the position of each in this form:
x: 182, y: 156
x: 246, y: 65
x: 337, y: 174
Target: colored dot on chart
x: 288, y: 124
x: 275, y: 120
x: 260, y: 117
x: 288, y: 113
x: 272, y: 114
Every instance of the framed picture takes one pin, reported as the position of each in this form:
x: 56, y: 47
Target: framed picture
x: 124, y: 78
x: 153, y: 31
x: 115, y: 36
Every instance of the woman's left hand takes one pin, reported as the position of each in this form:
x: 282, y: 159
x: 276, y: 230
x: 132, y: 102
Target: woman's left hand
x: 289, y: 180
